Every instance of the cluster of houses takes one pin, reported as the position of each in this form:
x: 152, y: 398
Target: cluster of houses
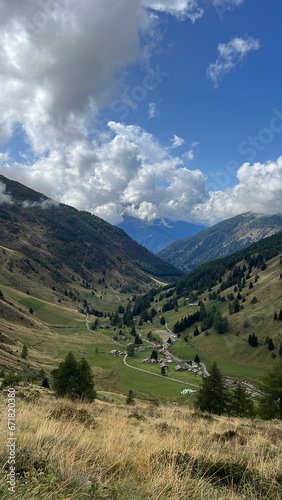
x: 115, y: 352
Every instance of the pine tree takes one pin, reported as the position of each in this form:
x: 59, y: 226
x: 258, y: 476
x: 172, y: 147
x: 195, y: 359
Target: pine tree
x: 64, y: 383
x: 24, y: 352
x: 240, y: 403
x: 154, y: 355
x: 130, y: 398
x: 280, y: 315
x: 212, y: 396
x: 85, y: 381
x: 197, y: 359
x: 270, y: 345
x: 270, y: 404
x: 280, y: 350
x: 74, y: 379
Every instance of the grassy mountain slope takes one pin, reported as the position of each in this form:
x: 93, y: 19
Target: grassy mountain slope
x: 246, y: 288
x: 222, y: 239
x: 101, y: 451
x: 52, y: 242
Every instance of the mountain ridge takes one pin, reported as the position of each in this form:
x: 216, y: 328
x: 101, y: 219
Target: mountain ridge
x: 221, y: 239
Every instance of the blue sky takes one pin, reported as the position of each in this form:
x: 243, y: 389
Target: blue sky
x: 153, y: 108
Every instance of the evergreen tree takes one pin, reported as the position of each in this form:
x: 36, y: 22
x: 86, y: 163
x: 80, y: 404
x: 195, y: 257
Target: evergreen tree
x: 130, y: 398
x: 154, y: 355
x: 197, y: 359
x: 270, y: 345
x: 212, y: 396
x: 275, y: 317
x: 85, y: 381
x: 163, y: 370
x: 24, y: 352
x: 280, y: 315
x: 64, y: 383
x: 74, y: 379
x: 280, y: 350
x: 45, y: 383
x: 162, y: 320
x: 196, y: 331
x: 270, y: 404
x: 130, y: 350
x: 240, y: 403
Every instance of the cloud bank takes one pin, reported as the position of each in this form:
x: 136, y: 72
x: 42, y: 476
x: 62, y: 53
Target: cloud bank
x: 59, y: 67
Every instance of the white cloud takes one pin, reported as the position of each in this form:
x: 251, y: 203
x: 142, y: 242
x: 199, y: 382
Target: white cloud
x: 180, y: 8
x: 152, y: 110
x: 227, y: 3
x: 230, y: 55
x: 4, y: 197
x: 177, y: 141
x: 259, y: 190
x: 59, y: 67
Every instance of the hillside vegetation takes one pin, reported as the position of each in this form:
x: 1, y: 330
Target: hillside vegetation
x: 118, y: 452
x: 220, y: 240
x: 53, y: 243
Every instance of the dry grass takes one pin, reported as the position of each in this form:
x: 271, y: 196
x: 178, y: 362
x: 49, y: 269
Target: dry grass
x: 103, y: 451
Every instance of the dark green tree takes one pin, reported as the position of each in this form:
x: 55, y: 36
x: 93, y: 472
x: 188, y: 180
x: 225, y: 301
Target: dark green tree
x: 74, y: 379
x: 45, y: 383
x: 196, y: 331
x: 162, y: 320
x: 270, y: 404
x: 154, y: 355
x: 130, y: 398
x: 197, y: 359
x: 280, y: 350
x: 212, y: 396
x: 85, y: 381
x: 270, y: 345
x: 240, y: 403
x: 24, y: 352
x: 130, y: 350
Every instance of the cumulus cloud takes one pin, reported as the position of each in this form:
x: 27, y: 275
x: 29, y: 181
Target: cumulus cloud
x: 259, y: 190
x: 59, y: 67
x: 230, y: 55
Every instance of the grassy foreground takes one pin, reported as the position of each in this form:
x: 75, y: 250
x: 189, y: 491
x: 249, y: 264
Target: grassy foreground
x: 120, y: 452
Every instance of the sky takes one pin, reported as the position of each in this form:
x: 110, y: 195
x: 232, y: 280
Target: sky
x: 149, y: 108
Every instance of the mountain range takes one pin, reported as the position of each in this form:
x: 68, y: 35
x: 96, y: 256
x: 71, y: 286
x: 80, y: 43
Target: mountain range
x: 220, y: 240
x: 158, y: 234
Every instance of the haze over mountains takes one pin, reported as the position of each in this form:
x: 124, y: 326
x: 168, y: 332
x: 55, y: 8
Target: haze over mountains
x: 159, y: 233
x: 220, y: 240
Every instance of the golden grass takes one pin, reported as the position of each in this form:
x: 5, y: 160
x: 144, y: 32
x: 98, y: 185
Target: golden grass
x: 120, y: 452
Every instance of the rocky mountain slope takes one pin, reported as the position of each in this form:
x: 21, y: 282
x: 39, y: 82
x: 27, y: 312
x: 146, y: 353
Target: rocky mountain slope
x: 220, y: 240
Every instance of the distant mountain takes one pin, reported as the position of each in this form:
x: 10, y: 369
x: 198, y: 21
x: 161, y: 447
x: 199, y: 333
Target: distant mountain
x: 220, y: 240
x: 158, y: 234
x: 54, y: 243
